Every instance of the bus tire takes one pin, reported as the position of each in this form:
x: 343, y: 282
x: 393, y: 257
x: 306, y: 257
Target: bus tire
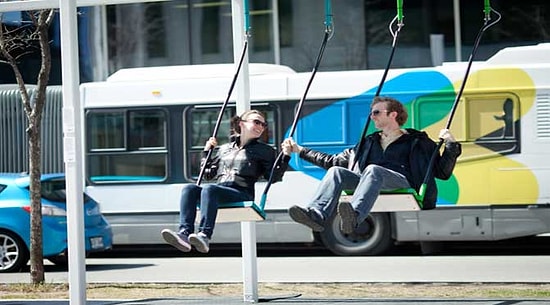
x: 372, y: 237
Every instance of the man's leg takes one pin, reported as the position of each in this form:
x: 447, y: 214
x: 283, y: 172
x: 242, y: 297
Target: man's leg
x: 325, y: 199
x: 374, y: 179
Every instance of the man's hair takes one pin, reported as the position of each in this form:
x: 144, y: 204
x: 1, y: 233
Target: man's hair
x: 393, y: 105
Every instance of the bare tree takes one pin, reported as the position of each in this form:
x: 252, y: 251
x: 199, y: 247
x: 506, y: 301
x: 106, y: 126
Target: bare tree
x: 14, y: 45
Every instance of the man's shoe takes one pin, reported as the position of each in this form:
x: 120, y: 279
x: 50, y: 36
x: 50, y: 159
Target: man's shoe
x: 308, y: 217
x: 200, y: 241
x: 348, y: 217
x: 180, y: 241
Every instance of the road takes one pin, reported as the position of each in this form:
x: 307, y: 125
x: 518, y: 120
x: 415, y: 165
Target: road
x: 174, y: 267
x: 390, y: 269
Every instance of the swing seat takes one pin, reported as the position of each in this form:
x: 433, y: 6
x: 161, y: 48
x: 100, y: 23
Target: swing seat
x: 238, y: 212
x: 406, y: 199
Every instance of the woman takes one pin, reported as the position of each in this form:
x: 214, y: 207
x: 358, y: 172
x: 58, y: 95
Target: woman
x: 237, y: 166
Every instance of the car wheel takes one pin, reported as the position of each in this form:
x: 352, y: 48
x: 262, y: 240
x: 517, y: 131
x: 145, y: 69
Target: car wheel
x: 13, y: 252
x: 372, y: 237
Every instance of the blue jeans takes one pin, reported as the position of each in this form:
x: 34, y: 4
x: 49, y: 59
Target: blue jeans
x: 367, y: 187
x: 208, y: 196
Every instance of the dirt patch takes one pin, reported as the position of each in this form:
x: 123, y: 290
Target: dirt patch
x: 325, y: 290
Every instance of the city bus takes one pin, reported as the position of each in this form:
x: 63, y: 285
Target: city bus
x: 145, y: 129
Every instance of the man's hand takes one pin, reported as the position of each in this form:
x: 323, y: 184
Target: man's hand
x: 446, y: 135
x: 290, y: 146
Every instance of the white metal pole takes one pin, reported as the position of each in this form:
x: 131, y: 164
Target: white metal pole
x: 72, y: 151
x: 458, y: 38
x: 248, y: 228
x: 276, y: 32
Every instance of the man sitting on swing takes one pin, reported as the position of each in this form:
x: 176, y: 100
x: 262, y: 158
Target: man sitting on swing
x: 237, y: 166
x: 390, y: 159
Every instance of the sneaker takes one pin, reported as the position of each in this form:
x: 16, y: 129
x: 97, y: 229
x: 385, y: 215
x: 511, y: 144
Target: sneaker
x: 308, y: 217
x: 178, y: 240
x: 348, y: 217
x: 200, y: 241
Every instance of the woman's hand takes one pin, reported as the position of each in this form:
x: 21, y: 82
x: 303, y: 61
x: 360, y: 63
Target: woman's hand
x: 210, y: 144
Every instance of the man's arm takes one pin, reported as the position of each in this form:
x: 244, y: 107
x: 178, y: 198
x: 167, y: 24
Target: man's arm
x: 319, y: 158
x: 446, y: 163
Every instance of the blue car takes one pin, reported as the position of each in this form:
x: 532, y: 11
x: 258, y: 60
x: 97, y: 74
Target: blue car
x: 15, y: 221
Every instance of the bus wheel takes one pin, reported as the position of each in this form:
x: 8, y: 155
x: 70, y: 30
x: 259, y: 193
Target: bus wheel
x: 372, y: 237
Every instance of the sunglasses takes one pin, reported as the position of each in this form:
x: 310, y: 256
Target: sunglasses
x: 377, y: 112
x: 258, y: 123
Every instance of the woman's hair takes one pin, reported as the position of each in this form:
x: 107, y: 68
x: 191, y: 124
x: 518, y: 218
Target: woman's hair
x: 234, y: 123
x: 393, y: 105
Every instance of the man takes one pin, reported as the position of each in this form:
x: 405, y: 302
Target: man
x: 389, y: 159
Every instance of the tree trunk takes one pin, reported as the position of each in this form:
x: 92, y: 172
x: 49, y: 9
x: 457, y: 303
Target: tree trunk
x: 36, y: 255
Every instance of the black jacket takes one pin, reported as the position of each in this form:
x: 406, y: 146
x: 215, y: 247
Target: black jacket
x: 416, y: 144
x: 240, y: 168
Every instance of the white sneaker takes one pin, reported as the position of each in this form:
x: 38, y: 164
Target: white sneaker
x: 179, y: 241
x: 200, y: 241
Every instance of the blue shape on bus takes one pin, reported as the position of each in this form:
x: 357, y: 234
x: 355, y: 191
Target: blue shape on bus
x: 339, y: 125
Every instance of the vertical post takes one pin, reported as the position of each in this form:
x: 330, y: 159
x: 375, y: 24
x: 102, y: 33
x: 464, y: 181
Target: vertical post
x: 243, y: 81
x: 458, y: 38
x: 72, y: 151
x: 248, y: 228
x: 276, y: 32
x: 250, y: 261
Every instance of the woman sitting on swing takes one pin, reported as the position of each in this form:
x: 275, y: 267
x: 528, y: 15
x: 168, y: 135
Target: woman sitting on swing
x: 237, y: 166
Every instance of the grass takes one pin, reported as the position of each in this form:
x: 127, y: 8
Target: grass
x: 325, y: 290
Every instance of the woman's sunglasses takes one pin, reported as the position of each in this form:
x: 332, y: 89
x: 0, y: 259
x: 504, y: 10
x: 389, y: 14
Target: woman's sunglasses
x: 258, y: 123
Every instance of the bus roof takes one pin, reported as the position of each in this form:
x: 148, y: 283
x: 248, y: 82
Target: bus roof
x: 533, y: 54
x: 193, y: 72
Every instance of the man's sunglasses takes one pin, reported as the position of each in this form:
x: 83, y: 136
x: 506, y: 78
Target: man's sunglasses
x: 258, y: 123
x: 377, y: 112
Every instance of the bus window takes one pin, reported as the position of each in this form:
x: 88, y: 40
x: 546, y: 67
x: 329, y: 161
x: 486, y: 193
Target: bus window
x: 200, y: 123
x: 127, y: 146
x: 492, y: 118
x: 492, y: 124
x: 147, y: 129
x: 106, y: 130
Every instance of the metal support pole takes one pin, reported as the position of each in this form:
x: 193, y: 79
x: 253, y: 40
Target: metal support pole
x: 250, y: 261
x: 248, y: 228
x: 72, y: 151
x: 458, y: 38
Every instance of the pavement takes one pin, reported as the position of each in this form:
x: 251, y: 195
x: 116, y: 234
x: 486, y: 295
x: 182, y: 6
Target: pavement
x: 423, y: 269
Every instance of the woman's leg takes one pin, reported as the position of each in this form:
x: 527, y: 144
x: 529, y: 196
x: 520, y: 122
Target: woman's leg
x: 211, y: 195
x: 190, y: 195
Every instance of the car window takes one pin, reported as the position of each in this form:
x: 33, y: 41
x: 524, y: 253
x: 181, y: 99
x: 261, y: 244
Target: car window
x: 2, y: 187
x: 54, y: 190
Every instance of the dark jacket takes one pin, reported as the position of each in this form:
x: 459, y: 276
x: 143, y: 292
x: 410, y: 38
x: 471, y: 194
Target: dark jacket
x: 416, y: 144
x: 240, y: 168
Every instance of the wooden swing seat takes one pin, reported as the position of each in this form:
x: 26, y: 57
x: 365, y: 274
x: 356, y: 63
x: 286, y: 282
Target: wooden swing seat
x: 406, y: 199
x: 238, y: 212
